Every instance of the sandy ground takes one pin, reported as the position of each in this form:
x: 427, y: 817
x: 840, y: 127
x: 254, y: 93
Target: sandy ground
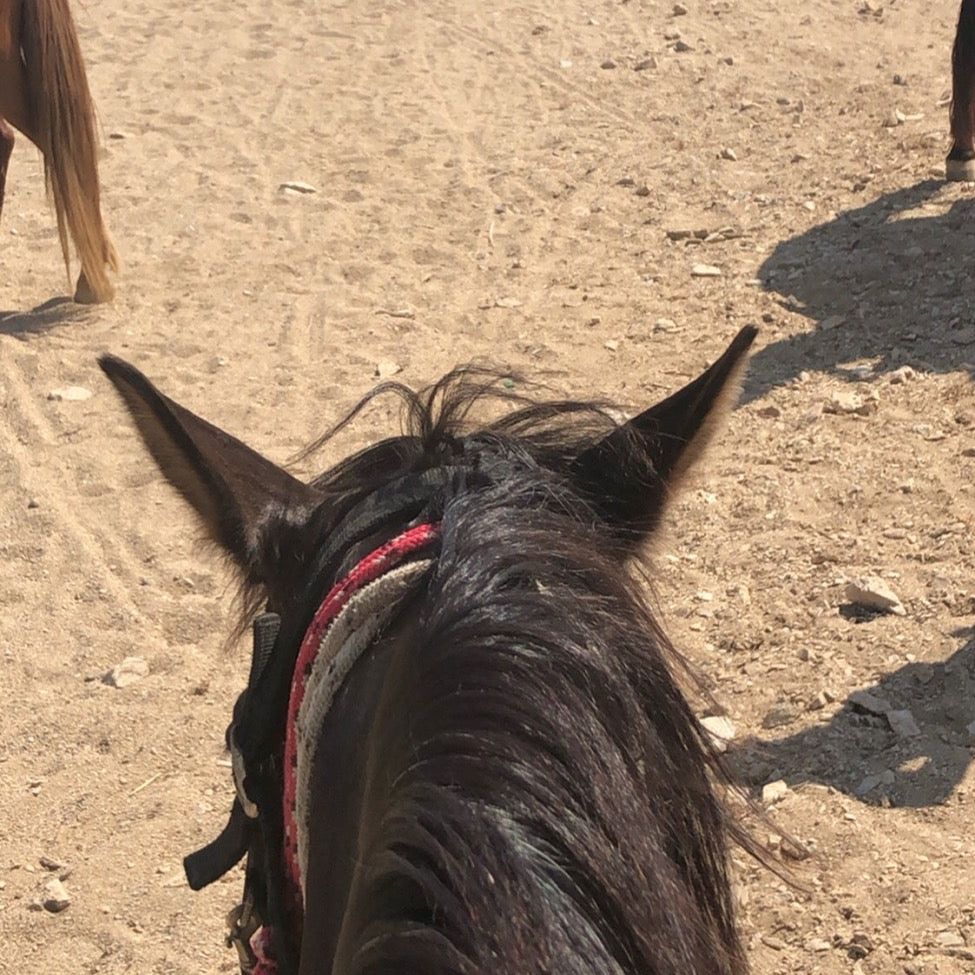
x: 522, y: 183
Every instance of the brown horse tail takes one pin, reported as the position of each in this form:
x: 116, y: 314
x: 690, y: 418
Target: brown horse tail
x: 963, y: 75
x: 63, y: 118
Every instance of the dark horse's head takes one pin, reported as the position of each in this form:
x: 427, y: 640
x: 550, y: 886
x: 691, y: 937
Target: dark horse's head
x: 505, y: 776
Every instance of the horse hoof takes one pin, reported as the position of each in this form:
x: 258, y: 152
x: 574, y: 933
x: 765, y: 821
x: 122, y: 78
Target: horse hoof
x: 960, y: 170
x: 84, y: 294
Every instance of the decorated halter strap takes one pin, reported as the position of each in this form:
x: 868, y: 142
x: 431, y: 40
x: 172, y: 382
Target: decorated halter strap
x: 371, y: 568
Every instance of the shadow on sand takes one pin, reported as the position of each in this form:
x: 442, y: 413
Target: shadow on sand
x: 889, y: 282
x: 857, y: 753
x: 54, y: 312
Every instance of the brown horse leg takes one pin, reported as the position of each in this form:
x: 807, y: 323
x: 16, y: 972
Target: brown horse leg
x: 14, y: 104
x: 6, y: 148
x: 14, y: 111
x: 961, y: 160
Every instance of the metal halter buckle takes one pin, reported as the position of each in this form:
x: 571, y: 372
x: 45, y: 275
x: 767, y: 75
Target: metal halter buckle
x: 240, y: 774
x: 242, y: 923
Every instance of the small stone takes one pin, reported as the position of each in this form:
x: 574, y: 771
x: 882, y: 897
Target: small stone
x: 387, y: 368
x: 565, y: 63
x: 665, y: 325
x: 971, y: 730
x: 928, y: 432
x: 894, y: 119
x: 873, y: 593
x: 901, y: 376
x: 682, y: 47
x: 770, y: 412
x: 860, y: 946
x: 507, y: 302
x: 646, y: 64
x: 296, y: 186
x: 33, y: 503
x: 643, y: 190
x: 818, y: 702
x: 70, y: 394
x: 50, y: 864
x: 868, y: 703
x: 679, y: 10
x: 831, y: 321
x: 774, y: 792
x: 55, y: 897
x: 705, y: 271
x: 869, y: 783
x: 899, y: 79
x: 950, y: 939
x: 902, y: 723
x: 778, y: 716
x: 813, y: 414
x: 608, y: 64
x: 846, y: 402
x: 720, y: 729
x: 611, y: 344
x: 729, y: 154
x: 817, y: 945
x: 128, y: 672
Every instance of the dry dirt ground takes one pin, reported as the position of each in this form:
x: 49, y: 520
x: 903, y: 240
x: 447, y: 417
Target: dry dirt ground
x: 533, y: 184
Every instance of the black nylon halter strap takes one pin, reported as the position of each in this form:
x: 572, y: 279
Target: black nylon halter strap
x: 221, y: 855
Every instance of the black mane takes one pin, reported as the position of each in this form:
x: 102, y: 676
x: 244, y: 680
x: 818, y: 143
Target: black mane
x: 552, y: 808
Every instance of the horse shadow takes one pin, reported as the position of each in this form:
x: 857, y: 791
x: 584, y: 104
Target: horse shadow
x: 857, y: 752
x: 50, y: 314
x: 887, y: 282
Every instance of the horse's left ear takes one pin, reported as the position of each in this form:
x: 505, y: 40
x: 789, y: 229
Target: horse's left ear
x: 249, y: 506
x: 628, y: 475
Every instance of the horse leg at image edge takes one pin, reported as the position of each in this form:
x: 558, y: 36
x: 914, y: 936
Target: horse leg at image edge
x: 6, y: 148
x: 960, y: 165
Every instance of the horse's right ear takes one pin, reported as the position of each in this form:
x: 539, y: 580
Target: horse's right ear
x: 629, y: 475
x: 244, y: 501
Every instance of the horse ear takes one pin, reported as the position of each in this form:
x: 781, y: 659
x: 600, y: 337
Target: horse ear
x: 629, y: 475
x: 243, y: 500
